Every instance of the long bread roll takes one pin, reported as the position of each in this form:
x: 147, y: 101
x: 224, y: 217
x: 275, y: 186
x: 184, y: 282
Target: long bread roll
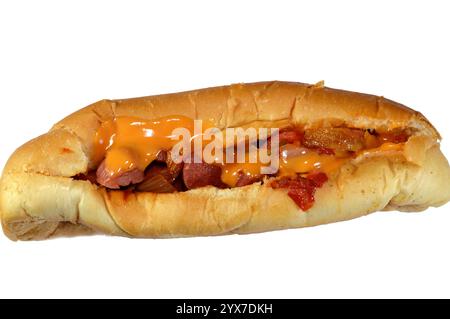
x: 42, y: 194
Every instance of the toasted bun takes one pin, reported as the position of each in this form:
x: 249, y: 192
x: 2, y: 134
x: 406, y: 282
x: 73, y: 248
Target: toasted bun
x: 39, y: 199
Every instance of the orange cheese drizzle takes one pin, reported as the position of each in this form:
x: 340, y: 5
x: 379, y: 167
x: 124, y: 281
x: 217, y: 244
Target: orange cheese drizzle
x: 127, y: 143
x: 130, y: 142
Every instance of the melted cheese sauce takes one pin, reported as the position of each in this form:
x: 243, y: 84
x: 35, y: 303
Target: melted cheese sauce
x: 302, y: 160
x: 130, y: 142
x: 385, y: 147
x: 232, y: 171
x: 127, y: 143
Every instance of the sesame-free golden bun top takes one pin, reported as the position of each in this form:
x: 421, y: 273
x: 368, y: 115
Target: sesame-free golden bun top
x: 39, y: 198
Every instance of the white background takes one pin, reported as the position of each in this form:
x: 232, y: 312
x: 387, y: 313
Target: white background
x: 56, y: 57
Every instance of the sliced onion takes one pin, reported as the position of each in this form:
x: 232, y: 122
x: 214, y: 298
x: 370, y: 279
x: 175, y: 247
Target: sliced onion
x: 173, y: 168
x: 291, y: 150
x: 157, y: 180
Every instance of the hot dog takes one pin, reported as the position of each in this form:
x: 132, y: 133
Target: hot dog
x: 114, y: 166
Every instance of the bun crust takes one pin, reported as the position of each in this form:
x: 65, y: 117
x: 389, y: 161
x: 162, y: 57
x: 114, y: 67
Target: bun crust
x: 39, y: 199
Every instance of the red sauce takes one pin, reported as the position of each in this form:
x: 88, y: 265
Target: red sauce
x: 290, y: 136
x: 300, y: 189
x: 393, y: 137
